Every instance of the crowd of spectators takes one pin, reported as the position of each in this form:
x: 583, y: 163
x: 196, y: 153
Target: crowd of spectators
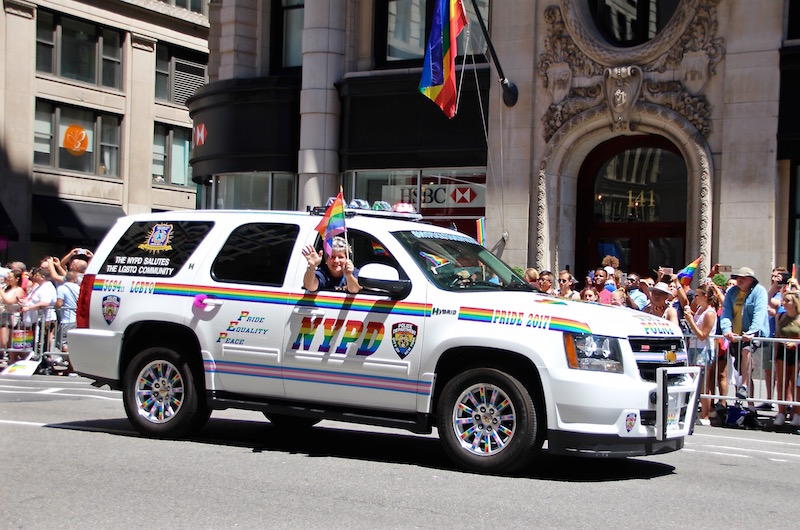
x: 724, y: 318
x: 38, y: 306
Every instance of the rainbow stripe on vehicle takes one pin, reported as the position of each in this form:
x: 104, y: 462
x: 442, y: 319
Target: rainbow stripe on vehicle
x: 302, y: 299
x: 302, y: 375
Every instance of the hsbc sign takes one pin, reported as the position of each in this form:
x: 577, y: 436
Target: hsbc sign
x: 439, y: 195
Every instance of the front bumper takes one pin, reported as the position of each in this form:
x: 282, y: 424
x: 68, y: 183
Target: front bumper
x: 630, y: 420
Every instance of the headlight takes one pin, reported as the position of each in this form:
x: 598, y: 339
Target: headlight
x: 593, y: 352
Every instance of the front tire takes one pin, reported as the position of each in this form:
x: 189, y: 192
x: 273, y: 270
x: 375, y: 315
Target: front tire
x: 160, y: 395
x: 488, y: 421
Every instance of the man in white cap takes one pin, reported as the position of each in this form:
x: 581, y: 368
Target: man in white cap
x: 744, y: 314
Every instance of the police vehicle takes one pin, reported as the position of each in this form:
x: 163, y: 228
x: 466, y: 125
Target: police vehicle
x: 192, y: 311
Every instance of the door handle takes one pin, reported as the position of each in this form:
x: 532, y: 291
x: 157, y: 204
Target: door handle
x: 309, y: 311
x: 201, y: 301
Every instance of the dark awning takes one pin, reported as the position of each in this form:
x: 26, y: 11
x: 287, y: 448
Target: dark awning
x: 7, y: 229
x: 75, y: 221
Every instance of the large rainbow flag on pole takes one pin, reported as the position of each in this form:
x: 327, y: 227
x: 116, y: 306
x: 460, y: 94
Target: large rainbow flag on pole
x: 332, y: 223
x: 438, y: 81
x: 686, y: 273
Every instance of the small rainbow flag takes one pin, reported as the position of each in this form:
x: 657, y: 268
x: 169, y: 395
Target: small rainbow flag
x: 435, y: 260
x: 438, y: 80
x: 794, y: 271
x: 686, y: 273
x: 332, y: 222
x: 481, y: 226
x: 378, y: 250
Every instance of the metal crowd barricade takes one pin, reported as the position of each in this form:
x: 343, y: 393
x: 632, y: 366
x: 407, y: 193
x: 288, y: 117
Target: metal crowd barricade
x: 771, y: 364
x: 41, y: 337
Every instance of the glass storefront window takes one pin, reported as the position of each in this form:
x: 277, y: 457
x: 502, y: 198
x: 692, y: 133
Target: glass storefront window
x: 446, y: 197
x: 643, y: 184
x: 255, y: 191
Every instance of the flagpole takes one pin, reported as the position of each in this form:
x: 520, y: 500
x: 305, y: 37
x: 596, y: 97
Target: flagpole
x: 510, y: 92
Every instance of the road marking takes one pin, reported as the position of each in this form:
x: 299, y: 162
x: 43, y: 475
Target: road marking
x: 28, y: 423
x: 741, y: 439
x: 56, y: 392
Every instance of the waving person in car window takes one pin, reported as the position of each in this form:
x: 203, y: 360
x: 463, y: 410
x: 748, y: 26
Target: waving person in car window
x: 337, y: 273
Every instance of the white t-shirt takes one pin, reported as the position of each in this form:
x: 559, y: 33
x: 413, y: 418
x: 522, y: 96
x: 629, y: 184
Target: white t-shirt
x: 43, y: 292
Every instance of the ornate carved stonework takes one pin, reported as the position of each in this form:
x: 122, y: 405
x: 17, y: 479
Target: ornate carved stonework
x: 20, y: 8
x: 688, y: 46
x: 622, y: 86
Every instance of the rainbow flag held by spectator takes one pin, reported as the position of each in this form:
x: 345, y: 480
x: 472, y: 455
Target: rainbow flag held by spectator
x: 686, y: 273
x: 794, y: 271
x: 481, y: 226
x: 438, y: 81
x: 332, y: 223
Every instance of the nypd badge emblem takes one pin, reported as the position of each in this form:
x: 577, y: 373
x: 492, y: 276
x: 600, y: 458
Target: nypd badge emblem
x: 110, y: 308
x: 404, y: 336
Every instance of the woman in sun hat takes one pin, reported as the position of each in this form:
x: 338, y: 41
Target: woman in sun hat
x: 659, y: 303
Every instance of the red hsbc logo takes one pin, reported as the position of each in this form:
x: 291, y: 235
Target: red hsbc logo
x: 200, y: 134
x: 463, y: 195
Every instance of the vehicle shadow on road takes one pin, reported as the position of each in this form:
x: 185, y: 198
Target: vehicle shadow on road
x: 400, y: 448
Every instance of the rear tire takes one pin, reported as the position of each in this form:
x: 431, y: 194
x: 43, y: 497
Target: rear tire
x: 488, y: 421
x: 160, y: 395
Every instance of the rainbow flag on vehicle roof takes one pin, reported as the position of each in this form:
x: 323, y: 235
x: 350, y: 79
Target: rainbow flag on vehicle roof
x: 332, y: 223
x: 686, y: 273
x: 438, y: 81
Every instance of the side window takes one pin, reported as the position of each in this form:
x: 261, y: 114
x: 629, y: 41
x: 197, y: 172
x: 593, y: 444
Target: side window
x: 155, y: 248
x: 366, y: 249
x: 256, y: 253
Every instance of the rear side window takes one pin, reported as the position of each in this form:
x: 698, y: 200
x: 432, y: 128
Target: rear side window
x: 155, y: 248
x: 256, y: 253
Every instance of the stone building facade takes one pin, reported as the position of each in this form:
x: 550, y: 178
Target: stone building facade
x: 93, y: 116
x: 644, y: 129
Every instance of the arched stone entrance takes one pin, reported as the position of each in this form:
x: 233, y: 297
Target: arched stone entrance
x: 557, y: 183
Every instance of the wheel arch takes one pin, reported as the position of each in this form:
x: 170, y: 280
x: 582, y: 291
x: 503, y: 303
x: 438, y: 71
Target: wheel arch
x: 457, y: 360
x: 148, y: 333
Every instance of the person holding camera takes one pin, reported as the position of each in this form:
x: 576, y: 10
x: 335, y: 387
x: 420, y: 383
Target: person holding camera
x: 779, y: 278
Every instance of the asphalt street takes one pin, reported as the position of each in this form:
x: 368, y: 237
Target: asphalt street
x: 69, y: 459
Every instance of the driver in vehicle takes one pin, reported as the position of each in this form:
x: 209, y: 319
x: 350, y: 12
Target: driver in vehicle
x: 337, y: 273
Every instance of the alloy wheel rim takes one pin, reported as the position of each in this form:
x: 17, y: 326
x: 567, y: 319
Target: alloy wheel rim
x: 159, y: 392
x: 484, y: 419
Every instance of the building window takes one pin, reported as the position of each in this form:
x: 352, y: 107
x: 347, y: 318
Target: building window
x: 74, y: 49
x: 195, y: 6
x: 179, y: 73
x: 287, y: 28
x: 255, y: 191
x: 449, y: 197
x: 627, y: 24
x: 70, y: 138
x: 402, y: 27
x: 794, y: 214
x: 171, y: 152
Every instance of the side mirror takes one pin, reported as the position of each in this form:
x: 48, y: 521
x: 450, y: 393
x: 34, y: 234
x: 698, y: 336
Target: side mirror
x: 383, y: 279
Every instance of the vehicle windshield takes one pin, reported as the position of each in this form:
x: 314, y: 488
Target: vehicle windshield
x: 455, y: 262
